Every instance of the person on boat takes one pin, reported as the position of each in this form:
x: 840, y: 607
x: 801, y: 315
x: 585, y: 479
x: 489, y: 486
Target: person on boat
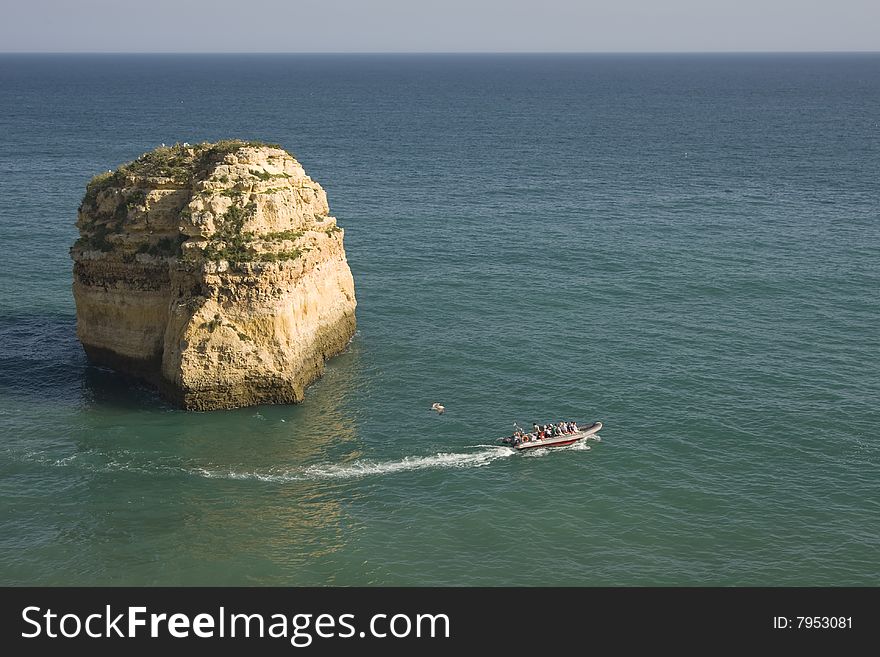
x: 574, y: 426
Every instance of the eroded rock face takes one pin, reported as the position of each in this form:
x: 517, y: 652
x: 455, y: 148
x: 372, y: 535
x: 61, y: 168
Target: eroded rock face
x: 214, y: 272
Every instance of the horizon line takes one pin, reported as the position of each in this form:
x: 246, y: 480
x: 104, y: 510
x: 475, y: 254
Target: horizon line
x: 440, y: 52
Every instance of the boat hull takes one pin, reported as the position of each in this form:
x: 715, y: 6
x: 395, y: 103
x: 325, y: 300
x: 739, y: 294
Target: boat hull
x: 560, y: 441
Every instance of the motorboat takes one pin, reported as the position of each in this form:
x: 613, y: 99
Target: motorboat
x: 526, y: 442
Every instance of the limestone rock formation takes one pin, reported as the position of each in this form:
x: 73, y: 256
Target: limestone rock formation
x: 214, y: 272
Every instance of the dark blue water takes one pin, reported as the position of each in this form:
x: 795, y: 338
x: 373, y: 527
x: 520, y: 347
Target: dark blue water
x: 685, y: 247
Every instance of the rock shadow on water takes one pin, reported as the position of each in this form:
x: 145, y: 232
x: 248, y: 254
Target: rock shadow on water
x: 106, y: 389
x: 40, y: 358
x: 42, y: 362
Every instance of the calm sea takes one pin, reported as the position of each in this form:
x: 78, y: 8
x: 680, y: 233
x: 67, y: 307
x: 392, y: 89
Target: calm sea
x: 684, y: 247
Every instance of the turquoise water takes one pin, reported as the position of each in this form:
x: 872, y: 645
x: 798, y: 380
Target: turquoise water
x: 684, y: 247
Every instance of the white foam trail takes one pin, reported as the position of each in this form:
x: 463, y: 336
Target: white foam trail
x: 232, y: 474
x: 440, y: 460
x: 359, y: 469
x: 480, y: 456
x: 579, y: 446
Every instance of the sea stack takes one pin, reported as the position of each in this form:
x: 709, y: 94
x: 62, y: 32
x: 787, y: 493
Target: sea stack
x: 214, y: 272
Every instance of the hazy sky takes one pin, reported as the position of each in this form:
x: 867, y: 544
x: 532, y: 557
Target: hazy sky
x: 439, y: 25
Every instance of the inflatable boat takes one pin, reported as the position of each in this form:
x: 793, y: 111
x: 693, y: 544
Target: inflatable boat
x: 554, y: 441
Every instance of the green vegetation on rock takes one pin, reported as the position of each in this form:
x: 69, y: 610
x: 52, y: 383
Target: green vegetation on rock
x: 265, y: 175
x: 236, y: 246
x: 98, y: 184
x: 282, y: 235
x: 180, y: 162
x: 164, y: 247
x: 110, y: 198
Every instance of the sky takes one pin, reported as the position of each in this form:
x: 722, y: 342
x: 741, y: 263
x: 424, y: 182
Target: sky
x: 439, y: 26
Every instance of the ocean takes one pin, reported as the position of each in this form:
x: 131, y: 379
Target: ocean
x: 685, y: 247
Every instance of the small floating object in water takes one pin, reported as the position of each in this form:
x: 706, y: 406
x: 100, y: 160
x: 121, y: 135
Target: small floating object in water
x: 437, y: 407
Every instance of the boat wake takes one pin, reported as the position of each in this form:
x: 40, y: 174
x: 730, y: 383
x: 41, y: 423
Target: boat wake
x: 579, y: 446
x: 366, y: 468
x: 477, y: 456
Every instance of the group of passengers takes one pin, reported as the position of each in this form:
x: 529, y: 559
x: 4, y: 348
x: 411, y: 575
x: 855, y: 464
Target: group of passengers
x: 543, y: 431
x: 540, y: 432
